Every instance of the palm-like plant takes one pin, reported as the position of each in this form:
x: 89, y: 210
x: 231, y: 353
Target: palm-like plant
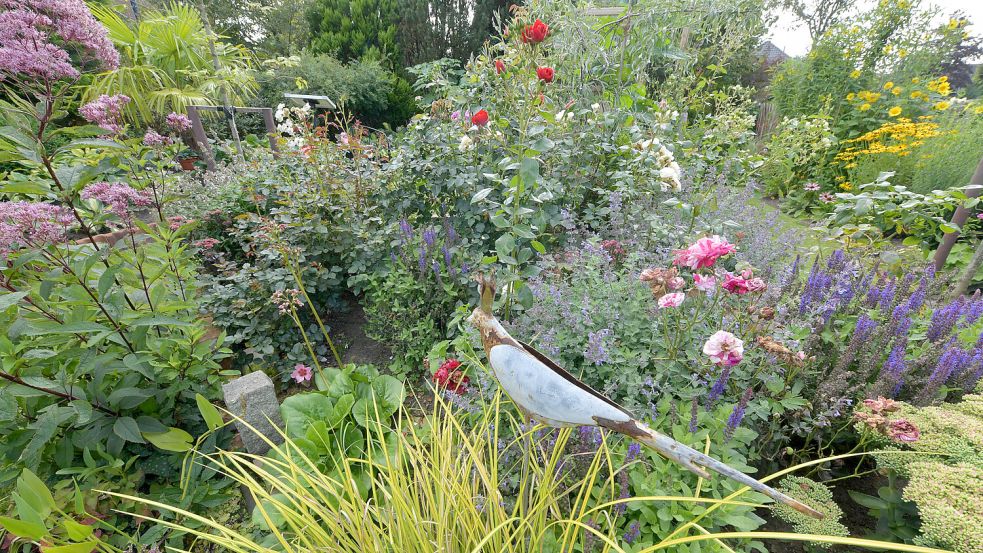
x: 166, y: 64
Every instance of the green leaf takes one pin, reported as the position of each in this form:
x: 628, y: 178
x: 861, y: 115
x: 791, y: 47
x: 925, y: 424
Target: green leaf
x: 504, y: 245
x: 300, y: 410
x: 128, y: 429
x: 23, y: 529
x: 106, y: 281
x: 36, y: 493
x: 83, y: 547
x: 209, y: 412
x: 8, y: 406
x: 529, y: 170
x: 538, y: 246
x: 868, y: 501
x: 481, y: 195
x: 175, y: 439
x: 12, y: 298
x: 76, y: 530
x: 160, y: 320
x: 386, y: 395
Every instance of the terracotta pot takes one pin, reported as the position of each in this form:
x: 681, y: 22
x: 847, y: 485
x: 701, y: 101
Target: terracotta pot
x: 188, y: 163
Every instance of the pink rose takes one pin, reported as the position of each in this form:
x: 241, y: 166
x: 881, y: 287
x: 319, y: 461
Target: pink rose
x: 704, y: 283
x: 674, y: 299
x: 676, y: 283
x: 704, y: 252
x: 735, y: 284
x: 724, y: 348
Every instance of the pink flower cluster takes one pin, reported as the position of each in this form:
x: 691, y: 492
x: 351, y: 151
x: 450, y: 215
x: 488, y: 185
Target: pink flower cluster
x: 178, y: 122
x: 704, y: 252
x: 106, y: 111
x: 153, y: 139
x: 207, y: 244
x: 31, y: 224
x: 705, y: 284
x: 118, y: 197
x: 743, y: 283
x: 284, y: 299
x: 27, y: 50
x: 724, y: 348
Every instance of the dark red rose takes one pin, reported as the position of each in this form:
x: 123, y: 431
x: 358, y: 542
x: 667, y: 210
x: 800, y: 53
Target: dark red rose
x: 499, y: 66
x: 480, y: 119
x: 535, y: 33
x: 545, y: 74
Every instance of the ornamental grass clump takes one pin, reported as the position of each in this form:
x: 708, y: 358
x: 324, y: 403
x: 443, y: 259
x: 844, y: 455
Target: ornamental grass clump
x: 437, y: 485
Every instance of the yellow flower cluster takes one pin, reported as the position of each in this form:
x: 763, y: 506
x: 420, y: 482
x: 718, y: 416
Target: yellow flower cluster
x: 931, y: 95
x: 940, y: 86
x: 898, y: 137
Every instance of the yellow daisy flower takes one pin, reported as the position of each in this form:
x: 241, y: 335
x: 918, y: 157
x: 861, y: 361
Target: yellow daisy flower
x: 941, y: 106
x: 850, y: 97
x: 846, y: 186
x: 855, y: 74
x: 896, y: 90
x: 895, y: 111
x: 888, y: 85
x: 864, y: 107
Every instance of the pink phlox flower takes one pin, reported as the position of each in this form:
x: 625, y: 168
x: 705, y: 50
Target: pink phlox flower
x: 118, y: 197
x: 32, y: 224
x: 106, y: 111
x: 178, y: 122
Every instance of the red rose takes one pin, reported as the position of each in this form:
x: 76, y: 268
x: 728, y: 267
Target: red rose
x: 448, y: 377
x: 535, y: 33
x: 480, y: 119
x: 499, y: 66
x: 545, y: 74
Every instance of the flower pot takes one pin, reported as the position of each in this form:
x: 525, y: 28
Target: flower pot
x: 188, y: 163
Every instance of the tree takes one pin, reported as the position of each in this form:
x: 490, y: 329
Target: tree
x: 434, y: 29
x: 167, y: 65
x: 275, y: 27
x: 355, y: 29
x: 819, y: 16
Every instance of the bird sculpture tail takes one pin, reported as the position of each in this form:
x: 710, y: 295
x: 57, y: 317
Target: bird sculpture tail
x: 697, y: 462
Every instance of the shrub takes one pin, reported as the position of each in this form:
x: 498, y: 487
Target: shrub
x: 946, y: 490
x: 363, y: 89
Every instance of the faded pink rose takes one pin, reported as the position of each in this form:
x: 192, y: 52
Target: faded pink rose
x: 704, y: 283
x: 704, y: 252
x: 675, y: 299
x: 756, y: 285
x: 676, y: 283
x: 901, y: 430
x: 724, y: 348
x: 302, y: 373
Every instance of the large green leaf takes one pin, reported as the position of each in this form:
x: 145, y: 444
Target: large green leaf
x: 299, y: 411
x: 382, y: 397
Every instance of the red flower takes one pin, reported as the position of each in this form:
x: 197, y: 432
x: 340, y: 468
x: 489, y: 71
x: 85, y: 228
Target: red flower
x: 480, y: 119
x: 545, y: 74
x: 499, y: 66
x: 535, y: 33
x: 448, y: 376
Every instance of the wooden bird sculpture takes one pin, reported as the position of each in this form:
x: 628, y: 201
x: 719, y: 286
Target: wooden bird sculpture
x: 547, y: 393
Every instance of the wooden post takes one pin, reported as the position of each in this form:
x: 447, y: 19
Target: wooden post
x: 959, y: 218
x: 201, y: 139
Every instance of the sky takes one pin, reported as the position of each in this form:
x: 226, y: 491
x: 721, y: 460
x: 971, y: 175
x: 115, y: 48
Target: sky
x: 791, y: 36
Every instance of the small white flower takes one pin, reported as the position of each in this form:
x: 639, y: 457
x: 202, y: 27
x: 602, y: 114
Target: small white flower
x: 595, y: 107
x: 466, y: 143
